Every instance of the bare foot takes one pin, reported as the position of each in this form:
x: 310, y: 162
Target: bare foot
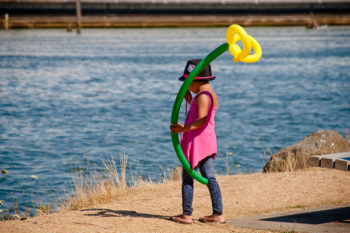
x: 213, y: 218
x: 185, y: 219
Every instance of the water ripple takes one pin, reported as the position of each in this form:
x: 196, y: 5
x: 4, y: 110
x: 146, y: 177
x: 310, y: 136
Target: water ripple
x: 67, y: 101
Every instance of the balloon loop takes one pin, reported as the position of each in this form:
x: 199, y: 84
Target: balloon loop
x: 236, y: 33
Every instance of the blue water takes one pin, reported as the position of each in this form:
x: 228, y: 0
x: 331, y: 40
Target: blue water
x: 67, y: 102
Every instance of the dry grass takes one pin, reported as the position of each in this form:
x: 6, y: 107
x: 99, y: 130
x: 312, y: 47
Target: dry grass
x: 287, y: 162
x: 98, y: 187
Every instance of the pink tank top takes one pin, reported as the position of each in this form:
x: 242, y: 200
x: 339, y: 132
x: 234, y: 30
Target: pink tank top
x: 200, y: 143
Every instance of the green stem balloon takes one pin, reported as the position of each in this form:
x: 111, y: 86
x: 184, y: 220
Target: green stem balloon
x: 177, y: 105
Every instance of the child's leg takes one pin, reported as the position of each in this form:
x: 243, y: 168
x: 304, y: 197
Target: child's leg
x: 207, y: 170
x: 187, y: 193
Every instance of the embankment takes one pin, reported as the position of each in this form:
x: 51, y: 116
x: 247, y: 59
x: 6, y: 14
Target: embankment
x: 117, y: 21
x: 147, y: 208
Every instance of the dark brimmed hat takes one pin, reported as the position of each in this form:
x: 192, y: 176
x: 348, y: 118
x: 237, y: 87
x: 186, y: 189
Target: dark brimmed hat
x: 204, y: 75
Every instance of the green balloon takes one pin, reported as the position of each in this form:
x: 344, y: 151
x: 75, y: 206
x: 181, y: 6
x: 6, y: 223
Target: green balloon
x: 177, y: 105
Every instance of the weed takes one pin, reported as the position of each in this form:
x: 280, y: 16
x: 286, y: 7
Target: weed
x: 102, y: 186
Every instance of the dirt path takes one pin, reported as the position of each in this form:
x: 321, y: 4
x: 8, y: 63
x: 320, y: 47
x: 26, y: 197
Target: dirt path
x: 147, y: 208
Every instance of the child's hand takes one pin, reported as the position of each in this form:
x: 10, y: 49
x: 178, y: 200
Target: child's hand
x: 177, y: 128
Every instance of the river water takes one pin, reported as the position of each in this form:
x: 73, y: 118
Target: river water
x: 68, y: 102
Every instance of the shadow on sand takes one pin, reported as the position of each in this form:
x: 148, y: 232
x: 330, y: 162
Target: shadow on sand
x: 122, y: 213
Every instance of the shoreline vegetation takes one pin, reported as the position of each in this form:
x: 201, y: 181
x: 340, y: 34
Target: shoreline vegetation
x: 109, y: 183
x: 103, y: 204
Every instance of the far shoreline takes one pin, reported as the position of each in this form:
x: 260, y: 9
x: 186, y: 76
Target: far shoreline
x: 162, y: 20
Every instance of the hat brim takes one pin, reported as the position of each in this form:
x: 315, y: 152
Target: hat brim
x: 182, y: 78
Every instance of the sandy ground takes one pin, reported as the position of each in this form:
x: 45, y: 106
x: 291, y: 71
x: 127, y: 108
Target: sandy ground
x: 148, y: 208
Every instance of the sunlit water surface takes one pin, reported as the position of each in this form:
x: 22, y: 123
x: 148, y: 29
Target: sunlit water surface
x: 68, y: 102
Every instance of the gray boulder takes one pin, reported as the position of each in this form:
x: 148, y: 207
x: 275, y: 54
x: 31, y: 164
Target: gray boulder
x: 295, y: 157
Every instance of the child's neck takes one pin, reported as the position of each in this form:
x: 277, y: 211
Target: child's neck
x: 203, y: 87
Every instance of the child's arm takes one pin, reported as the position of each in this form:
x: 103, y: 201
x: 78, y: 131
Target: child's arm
x: 202, y: 103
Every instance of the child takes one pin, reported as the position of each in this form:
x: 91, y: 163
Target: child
x: 198, y: 142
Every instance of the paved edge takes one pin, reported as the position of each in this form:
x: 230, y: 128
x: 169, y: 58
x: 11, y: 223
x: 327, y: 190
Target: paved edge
x: 335, y: 219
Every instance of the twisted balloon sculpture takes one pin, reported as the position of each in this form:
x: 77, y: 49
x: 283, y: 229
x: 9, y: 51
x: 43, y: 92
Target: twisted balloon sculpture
x: 234, y: 34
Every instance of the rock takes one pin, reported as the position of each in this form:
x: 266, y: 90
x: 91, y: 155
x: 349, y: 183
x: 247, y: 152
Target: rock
x: 295, y: 157
x: 176, y: 173
x: 34, y: 177
x: 14, y: 217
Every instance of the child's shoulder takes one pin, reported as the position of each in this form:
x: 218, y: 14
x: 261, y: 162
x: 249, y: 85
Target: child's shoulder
x: 204, y: 95
x: 207, y: 97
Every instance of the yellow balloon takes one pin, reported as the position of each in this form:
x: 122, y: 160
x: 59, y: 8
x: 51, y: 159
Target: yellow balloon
x: 235, y: 33
x: 257, y: 52
x: 232, y: 38
x: 235, y: 50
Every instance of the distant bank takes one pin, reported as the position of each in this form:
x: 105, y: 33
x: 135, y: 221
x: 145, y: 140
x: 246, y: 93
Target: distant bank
x: 115, y: 21
x: 171, y: 13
